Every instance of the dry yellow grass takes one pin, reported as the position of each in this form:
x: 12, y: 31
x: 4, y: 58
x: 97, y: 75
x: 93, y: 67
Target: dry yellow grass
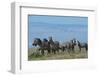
x: 58, y: 55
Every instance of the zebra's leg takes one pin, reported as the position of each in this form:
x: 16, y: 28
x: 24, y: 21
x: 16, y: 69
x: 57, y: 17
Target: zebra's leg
x: 69, y: 50
x: 54, y: 51
x: 39, y: 50
x: 42, y: 51
x: 86, y: 49
x: 63, y: 49
x: 73, y: 50
x: 57, y: 50
x: 49, y: 52
x: 80, y: 49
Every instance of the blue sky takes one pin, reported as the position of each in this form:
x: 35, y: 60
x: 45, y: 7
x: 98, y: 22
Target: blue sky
x: 61, y: 28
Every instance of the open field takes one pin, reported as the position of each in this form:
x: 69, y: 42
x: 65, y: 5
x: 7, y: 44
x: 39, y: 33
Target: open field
x: 35, y: 55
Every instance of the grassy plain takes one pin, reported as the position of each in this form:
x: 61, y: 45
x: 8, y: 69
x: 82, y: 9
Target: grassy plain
x: 36, y: 55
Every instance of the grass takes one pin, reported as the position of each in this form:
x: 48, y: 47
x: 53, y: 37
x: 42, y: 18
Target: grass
x: 60, y: 55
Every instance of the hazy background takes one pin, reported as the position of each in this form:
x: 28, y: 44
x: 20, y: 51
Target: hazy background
x: 61, y: 28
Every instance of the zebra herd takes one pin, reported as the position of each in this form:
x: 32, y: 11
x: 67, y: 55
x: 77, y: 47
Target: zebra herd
x: 52, y: 46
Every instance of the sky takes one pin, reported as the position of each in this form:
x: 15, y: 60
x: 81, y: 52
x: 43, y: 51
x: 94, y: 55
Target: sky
x: 61, y: 28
